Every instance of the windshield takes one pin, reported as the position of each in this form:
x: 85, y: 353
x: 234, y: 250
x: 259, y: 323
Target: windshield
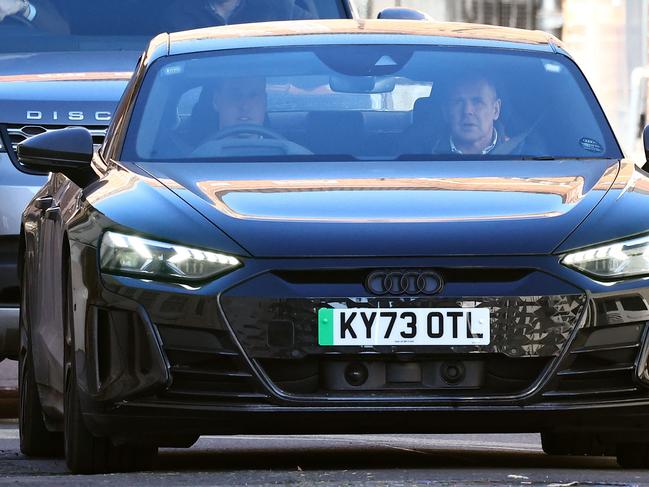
x: 366, y: 102
x: 77, y: 25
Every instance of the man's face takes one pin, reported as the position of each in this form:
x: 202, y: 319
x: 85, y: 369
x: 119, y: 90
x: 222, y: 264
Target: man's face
x: 473, y: 108
x: 241, y: 101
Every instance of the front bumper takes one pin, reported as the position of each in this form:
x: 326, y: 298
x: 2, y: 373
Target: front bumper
x: 142, y: 421
x: 9, y: 337
x: 16, y: 190
x: 9, y: 295
x: 239, y: 355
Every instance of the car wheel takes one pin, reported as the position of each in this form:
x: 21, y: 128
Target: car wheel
x: 84, y: 452
x: 578, y: 444
x: 633, y: 455
x: 35, y: 439
x: 554, y: 443
x: 88, y: 454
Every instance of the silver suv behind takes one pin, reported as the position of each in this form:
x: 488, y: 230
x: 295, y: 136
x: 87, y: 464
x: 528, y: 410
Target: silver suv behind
x: 66, y: 63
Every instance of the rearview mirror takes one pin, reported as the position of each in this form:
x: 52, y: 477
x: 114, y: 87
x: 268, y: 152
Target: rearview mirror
x: 68, y: 151
x: 361, y: 84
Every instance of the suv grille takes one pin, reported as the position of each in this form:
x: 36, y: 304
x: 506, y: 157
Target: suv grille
x: 508, y: 13
x: 19, y: 133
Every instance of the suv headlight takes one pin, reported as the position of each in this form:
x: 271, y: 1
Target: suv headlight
x: 138, y: 257
x: 620, y: 259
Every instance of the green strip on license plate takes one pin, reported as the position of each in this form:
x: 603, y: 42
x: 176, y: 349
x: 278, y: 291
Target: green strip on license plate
x: 325, y: 326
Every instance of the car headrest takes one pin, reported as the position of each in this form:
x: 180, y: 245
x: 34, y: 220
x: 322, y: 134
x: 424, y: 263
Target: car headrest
x: 426, y: 111
x: 346, y: 127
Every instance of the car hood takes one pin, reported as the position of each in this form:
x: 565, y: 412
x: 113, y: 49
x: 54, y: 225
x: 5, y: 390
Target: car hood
x: 392, y: 208
x: 63, y: 88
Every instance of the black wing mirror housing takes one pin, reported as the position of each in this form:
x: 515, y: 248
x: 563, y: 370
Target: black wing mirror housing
x: 396, y: 13
x: 68, y: 151
x: 645, y: 145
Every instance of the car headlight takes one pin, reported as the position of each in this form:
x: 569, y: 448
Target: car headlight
x: 620, y: 259
x: 139, y: 257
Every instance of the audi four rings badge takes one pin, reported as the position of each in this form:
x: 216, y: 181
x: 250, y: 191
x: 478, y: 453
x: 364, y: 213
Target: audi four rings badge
x: 398, y: 283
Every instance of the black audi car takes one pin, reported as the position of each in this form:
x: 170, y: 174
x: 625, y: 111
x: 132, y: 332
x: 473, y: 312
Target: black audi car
x: 337, y: 226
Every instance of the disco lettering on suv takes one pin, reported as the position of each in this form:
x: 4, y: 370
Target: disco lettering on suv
x: 73, y: 116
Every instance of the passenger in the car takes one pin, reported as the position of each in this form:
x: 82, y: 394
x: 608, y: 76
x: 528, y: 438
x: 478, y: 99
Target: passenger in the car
x: 39, y: 14
x: 472, y: 110
x: 183, y: 14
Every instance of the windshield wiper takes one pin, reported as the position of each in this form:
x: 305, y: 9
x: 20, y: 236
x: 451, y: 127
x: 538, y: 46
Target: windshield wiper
x: 539, y: 158
x: 564, y: 158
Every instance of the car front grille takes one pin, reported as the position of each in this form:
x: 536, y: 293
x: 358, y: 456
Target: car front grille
x: 528, y: 334
x: 206, y: 367
x: 533, y: 326
x: 15, y: 134
x: 493, y: 374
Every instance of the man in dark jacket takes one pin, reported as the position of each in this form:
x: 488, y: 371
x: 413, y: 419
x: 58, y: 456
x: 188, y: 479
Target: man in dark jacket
x: 40, y: 14
x: 464, y: 121
x: 472, y: 111
x: 184, y: 14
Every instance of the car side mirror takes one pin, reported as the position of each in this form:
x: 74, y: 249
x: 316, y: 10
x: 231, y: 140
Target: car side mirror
x: 68, y: 151
x: 645, y: 144
x: 403, y: 14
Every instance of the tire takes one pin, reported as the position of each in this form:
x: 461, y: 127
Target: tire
x: 633, y: 455
x: 554, y: 443
x: 85, y: 453
x: 88, y: 454
x: 577, y: 444
x: 35, y: 439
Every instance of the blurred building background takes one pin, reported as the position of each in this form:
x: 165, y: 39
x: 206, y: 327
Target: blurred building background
x: 608, y: 38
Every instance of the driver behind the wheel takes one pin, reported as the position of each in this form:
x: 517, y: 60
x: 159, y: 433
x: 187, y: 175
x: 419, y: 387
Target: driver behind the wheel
x: 240, y: 101
x: 242, y: 126
x: 40, y: 14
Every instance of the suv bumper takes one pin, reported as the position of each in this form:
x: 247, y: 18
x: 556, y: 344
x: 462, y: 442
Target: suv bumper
x: 9, y: 337
x: 9, y: 296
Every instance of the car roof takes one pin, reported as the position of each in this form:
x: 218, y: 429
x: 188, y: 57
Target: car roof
x: 314, y: 32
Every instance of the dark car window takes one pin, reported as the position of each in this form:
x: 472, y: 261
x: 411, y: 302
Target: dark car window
x: 69, y: 25
x: 366, y: 102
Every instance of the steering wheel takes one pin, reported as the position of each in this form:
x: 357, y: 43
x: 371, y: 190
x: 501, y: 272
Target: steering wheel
x: 18, y: 20
x: 248, y: 129
x: 228, y: 142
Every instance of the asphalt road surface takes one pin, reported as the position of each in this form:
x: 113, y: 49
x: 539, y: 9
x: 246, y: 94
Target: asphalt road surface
x: 376, y: 460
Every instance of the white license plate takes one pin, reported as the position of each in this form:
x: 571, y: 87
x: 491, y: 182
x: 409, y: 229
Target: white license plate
x: 403, y: 326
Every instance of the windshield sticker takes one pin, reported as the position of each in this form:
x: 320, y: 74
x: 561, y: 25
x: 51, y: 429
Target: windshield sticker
x: 591, y: 144
x: 173, y: 70
x: 552, y: 67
